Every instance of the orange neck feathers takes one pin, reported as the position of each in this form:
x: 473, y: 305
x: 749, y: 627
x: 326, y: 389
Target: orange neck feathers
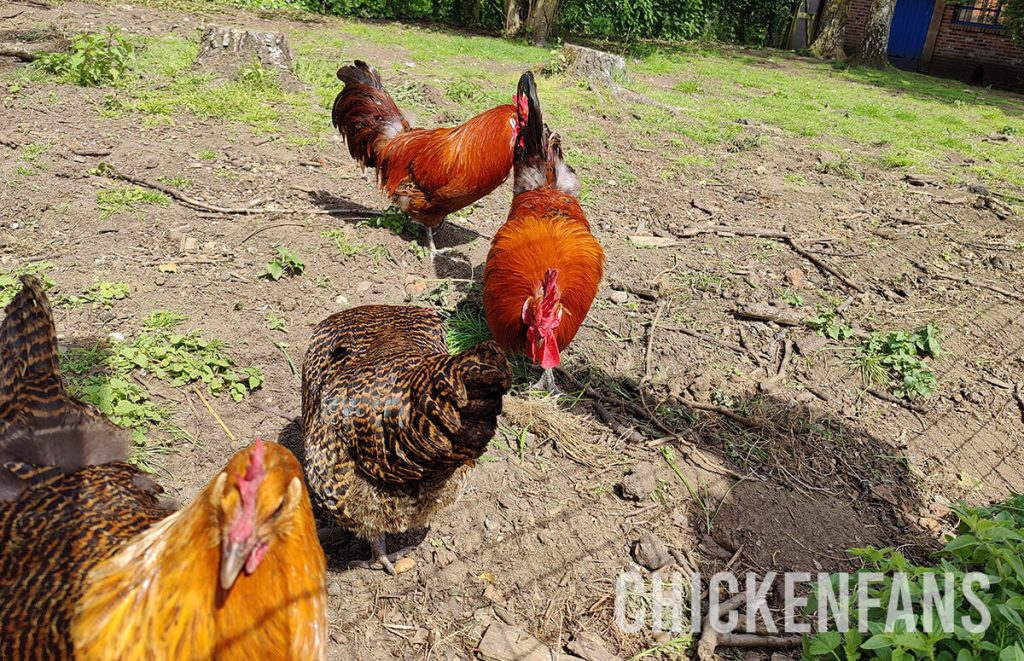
x: 160, y: 596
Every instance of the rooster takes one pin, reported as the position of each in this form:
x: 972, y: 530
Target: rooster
x: 393, y: 422
x: 428, y: 173
x: 544, y: 265
x: 93, y: 564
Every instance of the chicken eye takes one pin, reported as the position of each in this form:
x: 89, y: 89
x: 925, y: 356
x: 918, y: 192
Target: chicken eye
x: 277, y: 512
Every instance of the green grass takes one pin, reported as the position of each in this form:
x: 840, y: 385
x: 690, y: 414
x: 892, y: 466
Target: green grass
x: 10, y: 284
x: 466, y: 328
x: 113, y: 201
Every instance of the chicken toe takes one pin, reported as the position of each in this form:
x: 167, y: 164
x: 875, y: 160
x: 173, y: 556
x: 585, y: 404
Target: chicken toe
x: 547, y: 382
x: 381, y: 557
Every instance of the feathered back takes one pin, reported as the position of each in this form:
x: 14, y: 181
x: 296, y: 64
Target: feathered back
x: 365, y: 113
x: 43, y: 431
x: 379, y: 380
x: 538, y: 158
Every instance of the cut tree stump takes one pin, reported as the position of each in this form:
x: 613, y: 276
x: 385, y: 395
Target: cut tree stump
x: 593, y: 64
x: 226, y: 50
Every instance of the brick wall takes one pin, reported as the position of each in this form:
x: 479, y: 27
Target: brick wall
x: 855, y: 22
x: 977, y: 54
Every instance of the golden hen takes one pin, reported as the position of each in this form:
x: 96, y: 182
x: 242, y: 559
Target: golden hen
x: 93, y: 565
x: 392, y: 421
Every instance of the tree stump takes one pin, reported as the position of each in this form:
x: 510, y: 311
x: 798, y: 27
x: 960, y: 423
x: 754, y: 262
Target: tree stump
x: 597, y: 65
x: 226, y: 50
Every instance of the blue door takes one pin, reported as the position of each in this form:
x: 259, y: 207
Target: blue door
x: 908, y: 32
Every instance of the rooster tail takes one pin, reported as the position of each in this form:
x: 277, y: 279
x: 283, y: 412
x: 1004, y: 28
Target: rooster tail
x: 365, y: 114
x: 42, y: 431
x: 456, y: 401
x: 538, y: 158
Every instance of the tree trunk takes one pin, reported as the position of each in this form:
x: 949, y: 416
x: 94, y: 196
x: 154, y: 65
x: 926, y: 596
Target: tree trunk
x: 542, y: 15
x: 874, y: 50
x: 829, y: 43
x: 513, y: 19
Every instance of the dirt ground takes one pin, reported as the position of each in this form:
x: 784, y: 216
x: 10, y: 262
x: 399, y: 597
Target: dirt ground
x: 814, y: 465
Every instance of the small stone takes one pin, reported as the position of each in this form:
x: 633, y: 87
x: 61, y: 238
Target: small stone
x: 443, y: 558
x: 188, y: 244
x: 338, y: 637
x: 116, y: 337
x: 591, y: 647
x: 364, y: 286
x: 651, y: 552
x: 939, y: 510
x: 618, y: 297
x: 640, y: 483
x: 493, y: 595
x: 334, y: 589
x: 491, y: 525
x: 796, y: 278
x: 809, y: 343
x: 404, y: 564
x: 341, y: 299
x: 502, y: 642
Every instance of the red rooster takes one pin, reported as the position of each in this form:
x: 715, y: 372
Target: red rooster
x: 428, y: 173
x: 544, y: 266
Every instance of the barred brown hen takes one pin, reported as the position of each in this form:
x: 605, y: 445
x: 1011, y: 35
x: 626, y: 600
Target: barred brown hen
x: 392, y: 421
x: 92, y: 564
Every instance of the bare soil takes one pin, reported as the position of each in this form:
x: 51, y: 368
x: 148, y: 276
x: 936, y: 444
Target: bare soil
x: 819, y: 466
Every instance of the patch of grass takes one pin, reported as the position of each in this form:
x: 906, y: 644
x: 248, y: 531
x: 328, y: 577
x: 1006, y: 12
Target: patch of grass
x: 113, y: 201
x: 102, y: 293
x: 207, y: 155
x: 794, y: 299
x: 898, y: 159
x: 181, y: 183
x: 896, y: 360
x: 840, y: 167
x: 466, y: 328
x: 92, y: 59
x: 10, y: 284
x: 393, y: 219
x: 795, y: 179
x: 287, y: 263
x: 163, y: 319
x: 347, y: 248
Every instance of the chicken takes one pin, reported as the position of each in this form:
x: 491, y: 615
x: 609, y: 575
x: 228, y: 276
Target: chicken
x: 393, y: 422
x: 92, y: 562
x: 544, y: 265
x: 428, y: 173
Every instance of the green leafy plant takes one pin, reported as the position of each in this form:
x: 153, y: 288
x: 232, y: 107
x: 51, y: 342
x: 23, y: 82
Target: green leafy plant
x: 897, y: 358
x: 466, y: 328
x: 347, y: 249
x: 92, y: 59
x: 287, y: 263
x: 393, y: 219
x: 113, y: 201
x: 792, y: 298
x: 102, y: 293
x: 10, y: 284
x: 990, y: 541
x: 826, y: 322
x: 275, y: 322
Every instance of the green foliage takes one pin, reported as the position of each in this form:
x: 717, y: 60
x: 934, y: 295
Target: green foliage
x: 826, y: 322
x: 184, y: 358
x: 113, y: 201
x: 287, y: 263
x: 10, y: 284
x: 393, y: 219
x: 1013, y: 10
x: 896, y: 359
x: 275, y: 322
x: 990, y: 541
x: 466, y: 328
x: 92, y: 59
x: 347, y: 249
x: 102, y: 293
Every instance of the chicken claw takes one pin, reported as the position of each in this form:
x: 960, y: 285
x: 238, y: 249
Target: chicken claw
x: 381, y: 557
x: 434, y: 250
x: 547, y: 382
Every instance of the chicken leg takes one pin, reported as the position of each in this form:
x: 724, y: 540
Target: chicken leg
x: 434, y: 250
x: 547, y: 382
x: 381, y: 556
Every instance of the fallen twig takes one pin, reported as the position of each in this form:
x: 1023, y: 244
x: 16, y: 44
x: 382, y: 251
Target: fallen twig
x: 91, y: 152
x: 711, y: 339
x: 973, y: 282
x: 650, y: 342
x: 268, y: 227
x: 720, y: 410
x: 771, y: 381
x: 709, y: 637
x: 880, y: 394
x: 214, y: 414
x: 778, y: 235
x: 763, y: 312
x: 1018, y: 394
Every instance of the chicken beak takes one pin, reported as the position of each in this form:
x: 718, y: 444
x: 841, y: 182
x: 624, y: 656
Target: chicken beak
x: 233, y: 556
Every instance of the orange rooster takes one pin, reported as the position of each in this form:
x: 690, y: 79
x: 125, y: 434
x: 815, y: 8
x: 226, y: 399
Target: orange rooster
x: 428, y: 173
x: 544, y: 266
x: 93, y: 565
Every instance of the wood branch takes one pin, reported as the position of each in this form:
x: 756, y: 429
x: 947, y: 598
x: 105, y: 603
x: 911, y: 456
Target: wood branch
x: 21, y: 52
x: 881, y: 394
x: 709, y: 637
x: 762, y: 312
x: 650, y: 342
x: 1018, y: 394
x: 711, y: 339
x: 720, y: 410
x: 778, y: 235
x: 758, y: 641
x: 203, y: 206
x: 772, y: 381
x: 91, y: 152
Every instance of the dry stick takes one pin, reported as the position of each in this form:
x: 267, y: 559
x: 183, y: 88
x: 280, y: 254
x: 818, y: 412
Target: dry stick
x: 203, y: 206
x: 787, y: 353
x: 214, y: 414
x: 269, y: 227
x: 710, y: 639
x: 1018, y: 394
x: 785, y: 237
x: 896, y: 400
x: 720, y: 410
x: 650, y: 342
x: 711, y: 339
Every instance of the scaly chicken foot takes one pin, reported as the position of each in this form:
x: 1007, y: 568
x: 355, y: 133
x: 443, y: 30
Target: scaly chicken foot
x: 381, y: 557
x: 434, y: 250
x: 547, y: 382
